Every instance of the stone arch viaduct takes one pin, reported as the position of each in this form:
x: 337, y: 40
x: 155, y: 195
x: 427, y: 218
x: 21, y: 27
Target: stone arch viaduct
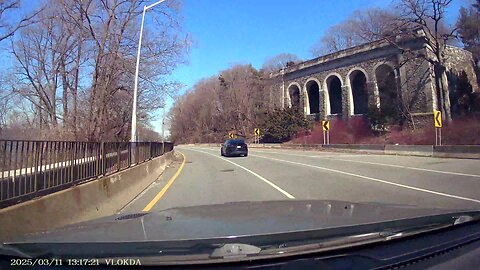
x: 348, y: 83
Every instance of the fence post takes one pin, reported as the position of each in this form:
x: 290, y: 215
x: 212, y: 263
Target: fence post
x: 35, y: 165
x: 150, y: 151
x: 41, y: 173
x: 137, y: 153
x: 118, y: 156
x: 71, y: 149
x: 104, y: 158
x: 98, y: 159
x: 129, y: 146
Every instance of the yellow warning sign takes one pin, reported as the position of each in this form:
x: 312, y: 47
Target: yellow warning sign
x: 326, y: 125
x: 437, y: 118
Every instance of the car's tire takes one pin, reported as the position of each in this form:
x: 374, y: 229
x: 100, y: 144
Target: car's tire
x: 221, y: 153
x: 246, y: 154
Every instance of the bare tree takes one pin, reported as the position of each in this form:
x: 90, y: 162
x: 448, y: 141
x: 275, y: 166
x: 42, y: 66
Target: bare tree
x: 9, y: 23
x: 5, y: 107
x: 112, y: 26
x: 38, y: 54
x: 76, y: 66
x: 425, y: 19
x: 336, y: 38
x: 280, y: 61
x: 362, y: 26
x: 233, y: 101
x: 370, y: 24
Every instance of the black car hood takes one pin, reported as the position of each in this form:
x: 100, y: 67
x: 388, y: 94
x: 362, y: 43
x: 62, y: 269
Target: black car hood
x: 229, y: 220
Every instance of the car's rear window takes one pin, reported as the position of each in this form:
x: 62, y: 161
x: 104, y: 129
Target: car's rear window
x: 235, y: 141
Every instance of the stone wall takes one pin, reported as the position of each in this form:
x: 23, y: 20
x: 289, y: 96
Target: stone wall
x: 418, y: 87
x: 458, y: 60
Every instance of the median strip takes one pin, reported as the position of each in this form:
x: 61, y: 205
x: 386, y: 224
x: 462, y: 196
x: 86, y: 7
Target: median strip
x: 166, y: 187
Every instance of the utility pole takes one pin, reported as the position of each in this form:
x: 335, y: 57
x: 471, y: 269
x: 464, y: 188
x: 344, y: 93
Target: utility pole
x: 283, y: 88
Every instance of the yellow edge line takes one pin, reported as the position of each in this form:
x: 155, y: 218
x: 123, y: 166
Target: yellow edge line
x: 165, y: 188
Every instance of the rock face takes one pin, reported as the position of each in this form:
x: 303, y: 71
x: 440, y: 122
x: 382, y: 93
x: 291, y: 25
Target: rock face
x: 373, y: 75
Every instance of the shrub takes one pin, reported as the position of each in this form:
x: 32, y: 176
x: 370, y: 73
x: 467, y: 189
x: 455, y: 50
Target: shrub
x: 461, y: 131
x: 282, y: 125
x: 349, y: 131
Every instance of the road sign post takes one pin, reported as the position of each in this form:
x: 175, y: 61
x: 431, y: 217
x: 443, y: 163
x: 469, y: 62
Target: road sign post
x: 438, y: 123
x: 256, y: 135
x: 326, y: 132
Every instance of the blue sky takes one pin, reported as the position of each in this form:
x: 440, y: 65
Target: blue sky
x: 249, y: 31
x: 228, y: 32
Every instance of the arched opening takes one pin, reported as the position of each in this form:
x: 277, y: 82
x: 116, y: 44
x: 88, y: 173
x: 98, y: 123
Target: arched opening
x: 313, y: 97
x: 387, y: 89
x: 334, y: 86
x: 358, y: 84
x: 294, y: 94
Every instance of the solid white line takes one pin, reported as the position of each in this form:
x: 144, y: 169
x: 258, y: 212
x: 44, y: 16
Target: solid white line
x: 373, y: 179
x: 410, y: 168
x: 379, y: 164
x: 254, y: 173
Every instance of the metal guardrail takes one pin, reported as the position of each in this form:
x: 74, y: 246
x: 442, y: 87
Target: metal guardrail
x: 30, y: 169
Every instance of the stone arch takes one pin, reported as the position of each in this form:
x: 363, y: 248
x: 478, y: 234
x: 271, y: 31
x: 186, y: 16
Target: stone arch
x: 358, y: 69
x: 389, y: 64
x: 294, y: 94
x: 385, y: 76
x: 357, y: 79
x: 312, y: 90
x: 333, y: 84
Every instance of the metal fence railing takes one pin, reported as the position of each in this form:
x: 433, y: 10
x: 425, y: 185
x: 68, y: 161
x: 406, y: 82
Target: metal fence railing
x: 29, y: 169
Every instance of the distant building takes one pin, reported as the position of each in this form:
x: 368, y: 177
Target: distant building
x: 348, y: 83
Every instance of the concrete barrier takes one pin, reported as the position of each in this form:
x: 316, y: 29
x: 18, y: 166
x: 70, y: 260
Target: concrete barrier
x: 409, y: 150
x: 94, y: 199
x: 457, y: 151
x: 206, y: 144
x: 362, y: 148
x: 287, y: 146
x: 446, y: 151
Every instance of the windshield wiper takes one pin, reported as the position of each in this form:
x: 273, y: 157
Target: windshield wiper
x: 10, y: 251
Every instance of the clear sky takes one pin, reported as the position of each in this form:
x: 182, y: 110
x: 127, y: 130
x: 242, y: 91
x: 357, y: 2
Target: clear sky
x: 227, y: 32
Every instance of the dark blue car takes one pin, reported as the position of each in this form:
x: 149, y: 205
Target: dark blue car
x: 234, y: 148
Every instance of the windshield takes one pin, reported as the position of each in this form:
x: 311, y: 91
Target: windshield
x: 138, y: 121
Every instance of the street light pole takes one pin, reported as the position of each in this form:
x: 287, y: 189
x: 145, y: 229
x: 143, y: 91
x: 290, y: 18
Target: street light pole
x: 163, y: 124
x: 283, y: 88
x: 133, y: 136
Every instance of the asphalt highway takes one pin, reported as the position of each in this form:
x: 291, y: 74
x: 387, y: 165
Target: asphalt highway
x: 200, y: 176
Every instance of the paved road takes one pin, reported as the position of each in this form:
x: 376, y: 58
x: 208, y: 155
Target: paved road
x: 267, y: 174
